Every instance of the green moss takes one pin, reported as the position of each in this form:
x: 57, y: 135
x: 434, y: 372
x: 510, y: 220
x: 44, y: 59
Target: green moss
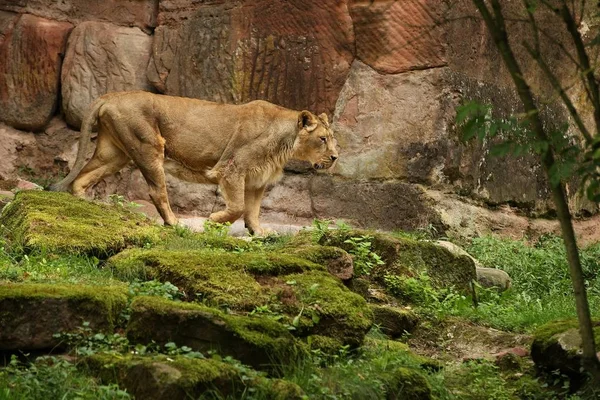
x: 546, y: 335
x: 242, y: 282
x: 408, y: 383
x: 192, y: 374
x: 220, y: 279
x: 326, y: 344
x: 317, y: 254
x: 399, y: 350
x: 161, y: 376
x: 59, y: 222
x: 330, y: 308
x: 107, y: 301
x: 394, y: 321
x: 217, y: 279
x: 190, y: 240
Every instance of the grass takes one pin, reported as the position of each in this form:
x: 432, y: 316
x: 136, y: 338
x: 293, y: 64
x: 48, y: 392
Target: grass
x: 541, y: 288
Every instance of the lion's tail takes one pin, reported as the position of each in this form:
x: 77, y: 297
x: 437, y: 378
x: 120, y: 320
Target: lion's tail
x: 83, y: 149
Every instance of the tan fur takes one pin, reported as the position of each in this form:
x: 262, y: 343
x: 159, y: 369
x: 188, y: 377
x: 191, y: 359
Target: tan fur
x: 243, y: 148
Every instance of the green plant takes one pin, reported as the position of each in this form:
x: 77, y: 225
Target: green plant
x: 216, y: 229
x: 478, y: 380
x: 52, y: 378
x: 320, y: 229
x: 364, y: 257
x: 85, y: 341
x: 156, y: 288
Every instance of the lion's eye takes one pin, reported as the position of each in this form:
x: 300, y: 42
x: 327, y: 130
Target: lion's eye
x: 323, y: 139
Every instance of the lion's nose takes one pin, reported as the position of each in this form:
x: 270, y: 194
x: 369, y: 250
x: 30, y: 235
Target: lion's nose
x: 333, y: 158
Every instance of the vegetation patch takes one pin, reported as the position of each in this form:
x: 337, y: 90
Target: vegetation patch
x: 53, y: 378
x: 59, y: 222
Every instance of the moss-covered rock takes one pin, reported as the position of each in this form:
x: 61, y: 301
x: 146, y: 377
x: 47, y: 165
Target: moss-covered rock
x: 326, y: 344
x: 558, y: 346
x: 161, y: 377
x: 394, y: 321
x: 299, y: 291
x: 399, y: 349
x: 337, y: 261
x: 255, y: 340
x: 405, y: 256
x: 31, y: 313
x: 408, y: 383
x: 326, y: 307
x: 219, y: 279
x: 60, y: 222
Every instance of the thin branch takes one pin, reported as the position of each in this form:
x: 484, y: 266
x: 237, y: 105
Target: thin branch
x: 560, y: 90
x: 536, y: 54
x: 584, y: 60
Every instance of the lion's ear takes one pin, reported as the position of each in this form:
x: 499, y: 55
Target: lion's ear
x: 307, y: 120
x: 324, y: 119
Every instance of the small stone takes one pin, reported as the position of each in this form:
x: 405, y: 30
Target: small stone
x: 393, y: 321
x: 493, y: 277
x: 508, y: 361
x: 26, y: 185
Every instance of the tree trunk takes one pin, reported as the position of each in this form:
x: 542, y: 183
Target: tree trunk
x: 497, y: 28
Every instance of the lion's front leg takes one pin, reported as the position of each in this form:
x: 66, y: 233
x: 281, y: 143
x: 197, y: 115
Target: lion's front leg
x: 253, y: 198
x: 232, y: 188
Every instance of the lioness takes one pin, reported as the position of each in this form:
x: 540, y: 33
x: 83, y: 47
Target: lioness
x: 242, y: 148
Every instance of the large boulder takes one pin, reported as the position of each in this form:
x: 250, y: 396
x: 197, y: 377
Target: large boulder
x: 486, y: 277
x: 31, y: 49
x: 393, y: 321
x: 141, y: 13
x: 255, y: 340
x: 161, y: 377
x: 102, y: 58
x: 32, y: 313
x: 382, y: 135
x: 403, y: 256
x: 46, y: 221
x: 299, y: 293
x: 372, y: 204
x: 558, y: 346
x: 295, y: 53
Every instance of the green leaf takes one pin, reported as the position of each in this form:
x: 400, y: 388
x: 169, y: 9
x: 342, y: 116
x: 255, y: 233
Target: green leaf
x: 501, y: 149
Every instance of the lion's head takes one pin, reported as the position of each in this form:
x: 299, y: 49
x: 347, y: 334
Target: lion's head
x: 315, y: 142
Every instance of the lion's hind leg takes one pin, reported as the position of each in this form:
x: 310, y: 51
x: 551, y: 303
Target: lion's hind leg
x: 150, y: 162
x: 107, y: 160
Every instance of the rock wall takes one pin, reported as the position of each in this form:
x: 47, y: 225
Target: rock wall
x: 388, y: 73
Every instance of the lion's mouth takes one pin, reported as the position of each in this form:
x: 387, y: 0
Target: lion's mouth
x: 322, y: 165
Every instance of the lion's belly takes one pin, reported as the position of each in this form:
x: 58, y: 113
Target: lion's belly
x: 180, y: 171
